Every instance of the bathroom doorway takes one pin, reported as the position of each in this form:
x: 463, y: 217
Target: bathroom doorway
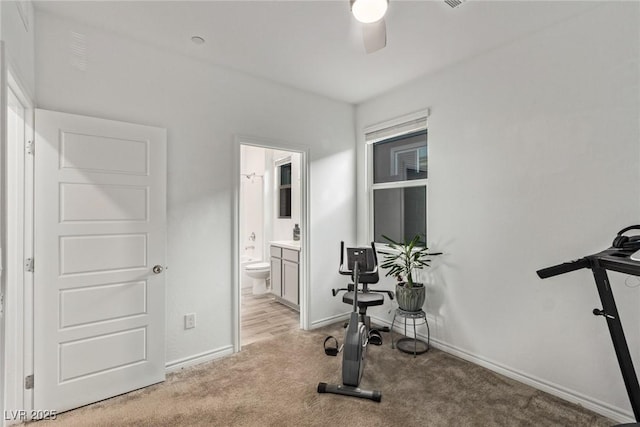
x: 271, y: 240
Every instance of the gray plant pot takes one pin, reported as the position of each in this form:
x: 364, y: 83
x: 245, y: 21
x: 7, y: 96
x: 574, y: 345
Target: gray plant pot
x: 410, y: 299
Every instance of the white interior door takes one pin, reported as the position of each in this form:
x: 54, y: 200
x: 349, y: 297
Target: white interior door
x: 100, y: 215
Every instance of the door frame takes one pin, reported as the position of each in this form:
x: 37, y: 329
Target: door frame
x: 304, y: 296
x: 17, y: 183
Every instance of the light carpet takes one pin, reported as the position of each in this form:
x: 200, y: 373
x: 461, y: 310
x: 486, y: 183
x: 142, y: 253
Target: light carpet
x: 273, y: 383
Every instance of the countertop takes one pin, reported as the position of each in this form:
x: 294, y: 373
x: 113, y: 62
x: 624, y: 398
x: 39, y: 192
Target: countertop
x: 288, y: 244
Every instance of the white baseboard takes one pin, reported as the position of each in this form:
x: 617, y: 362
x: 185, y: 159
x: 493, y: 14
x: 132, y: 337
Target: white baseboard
x: 199, y: 358
x: 329, y: 320
x: 573, y: 396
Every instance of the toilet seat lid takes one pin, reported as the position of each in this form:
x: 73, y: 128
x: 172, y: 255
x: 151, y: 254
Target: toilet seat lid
x: 258, y: 266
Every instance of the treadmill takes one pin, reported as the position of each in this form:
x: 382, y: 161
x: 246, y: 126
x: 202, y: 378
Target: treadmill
x: 622, y: 260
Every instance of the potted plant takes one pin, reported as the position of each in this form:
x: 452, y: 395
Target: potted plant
x: 401, y: 262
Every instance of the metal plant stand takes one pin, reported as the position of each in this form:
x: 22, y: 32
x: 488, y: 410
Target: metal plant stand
x: 413, y: 345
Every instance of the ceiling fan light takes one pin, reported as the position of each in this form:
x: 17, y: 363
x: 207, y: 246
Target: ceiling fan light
x: 368, y: 11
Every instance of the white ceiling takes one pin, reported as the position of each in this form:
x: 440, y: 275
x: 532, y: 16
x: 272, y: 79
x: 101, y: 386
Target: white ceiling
x: 316, y: 45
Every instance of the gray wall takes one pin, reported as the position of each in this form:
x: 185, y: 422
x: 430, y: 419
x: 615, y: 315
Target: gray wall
x: 203, y: 107
x: 520, y: 139
x: 534, y: 153
x: 17, y: 33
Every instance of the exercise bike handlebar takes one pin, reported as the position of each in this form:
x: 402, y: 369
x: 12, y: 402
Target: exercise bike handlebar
x: 565, y: 267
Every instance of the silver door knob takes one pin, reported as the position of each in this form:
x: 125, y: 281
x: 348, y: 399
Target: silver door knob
x: 157, y: 269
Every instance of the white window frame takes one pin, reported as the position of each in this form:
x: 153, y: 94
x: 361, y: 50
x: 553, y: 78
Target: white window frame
x: 406, y: 124
x: 396, y: 152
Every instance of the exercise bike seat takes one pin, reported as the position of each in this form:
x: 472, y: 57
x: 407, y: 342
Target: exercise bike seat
x: 365, y: 299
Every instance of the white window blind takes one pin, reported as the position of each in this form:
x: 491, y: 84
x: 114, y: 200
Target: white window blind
x: 396, y: 130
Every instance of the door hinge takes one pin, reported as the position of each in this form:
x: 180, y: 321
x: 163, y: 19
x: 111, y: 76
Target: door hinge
x: 30, y: 147
x: 28, y: 382
x: 28, y: 265
x: 1, y: 304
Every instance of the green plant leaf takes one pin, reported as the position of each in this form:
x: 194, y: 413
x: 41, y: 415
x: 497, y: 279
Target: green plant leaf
x: 406, y: 258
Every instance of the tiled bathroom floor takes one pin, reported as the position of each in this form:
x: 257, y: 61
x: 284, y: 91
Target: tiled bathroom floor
x: 264, y: 317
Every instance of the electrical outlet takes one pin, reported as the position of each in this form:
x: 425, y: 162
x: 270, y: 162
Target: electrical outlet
x: 189, y: 320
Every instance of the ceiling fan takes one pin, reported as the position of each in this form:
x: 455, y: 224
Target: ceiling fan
x: 371, y: 14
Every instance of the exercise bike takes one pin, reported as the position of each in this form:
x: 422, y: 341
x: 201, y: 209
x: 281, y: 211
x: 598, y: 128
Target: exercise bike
x: 362, y: 266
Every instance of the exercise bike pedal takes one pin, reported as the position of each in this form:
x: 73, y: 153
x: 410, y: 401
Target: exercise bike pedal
x: 374, y: 337
x: 331, y: 350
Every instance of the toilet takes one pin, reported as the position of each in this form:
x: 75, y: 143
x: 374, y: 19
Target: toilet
x: 259, y: 272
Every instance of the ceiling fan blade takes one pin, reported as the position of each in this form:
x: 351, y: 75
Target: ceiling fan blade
x: 374, y: 36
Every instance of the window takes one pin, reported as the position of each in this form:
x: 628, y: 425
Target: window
x: 284, y: 191
x: 398, y: 181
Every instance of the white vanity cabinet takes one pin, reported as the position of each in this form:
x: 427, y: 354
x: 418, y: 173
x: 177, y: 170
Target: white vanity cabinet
x: 276, y: 271
x: 285, y: 275
x: 290, y: 276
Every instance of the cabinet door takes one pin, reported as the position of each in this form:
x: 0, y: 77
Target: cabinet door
x: 290, y: 281
x: 276, y: 276
x: 290, y: 254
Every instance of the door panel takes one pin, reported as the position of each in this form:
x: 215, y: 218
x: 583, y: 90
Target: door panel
x: 110, y: 203
x: 100, y: 227
x: 290, y: 281
x: 103, y: 154
x: 87, y: 254
x: 80, y: 306
x: 276, y: 276
x: 85, y: 357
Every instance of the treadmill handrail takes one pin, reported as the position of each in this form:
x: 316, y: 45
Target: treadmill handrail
x: 565, y: 267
